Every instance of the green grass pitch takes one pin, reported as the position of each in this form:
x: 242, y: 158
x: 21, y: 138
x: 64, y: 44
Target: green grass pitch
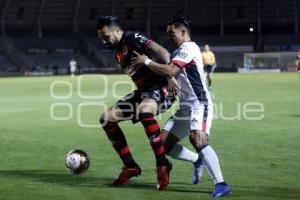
x: 259, y: 158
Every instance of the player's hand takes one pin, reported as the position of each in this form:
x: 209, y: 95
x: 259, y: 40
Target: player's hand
x: 138, y: 59
x: 173, y: 87
x: 136, y: 62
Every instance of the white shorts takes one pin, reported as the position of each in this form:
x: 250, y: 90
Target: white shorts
x: 187, y: 119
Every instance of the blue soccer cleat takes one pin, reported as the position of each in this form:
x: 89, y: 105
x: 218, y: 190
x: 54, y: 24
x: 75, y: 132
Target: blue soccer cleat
x: 198, y: 171
x: 221, y: 190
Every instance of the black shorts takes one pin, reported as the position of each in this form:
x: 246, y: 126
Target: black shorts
x: 208, y: 68
x: 131, y: 101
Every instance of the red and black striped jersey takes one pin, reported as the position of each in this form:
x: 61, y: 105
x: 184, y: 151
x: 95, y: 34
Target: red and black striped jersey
x: 143, y: 76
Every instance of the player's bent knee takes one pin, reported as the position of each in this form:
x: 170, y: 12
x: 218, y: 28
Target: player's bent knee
x: 105, y: 116
x: 198, y: 139
x: 110, y: 115
x: 148, y: 106
x: 146, y: 109
x: 193, y: 137
x: 103, y: 120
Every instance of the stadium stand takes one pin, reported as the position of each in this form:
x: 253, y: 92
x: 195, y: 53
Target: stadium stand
x: 7, y: 66
x: 45, y: 34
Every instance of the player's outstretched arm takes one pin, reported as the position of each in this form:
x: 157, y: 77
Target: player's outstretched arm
x: 159, y: 52
x: 169, y: 70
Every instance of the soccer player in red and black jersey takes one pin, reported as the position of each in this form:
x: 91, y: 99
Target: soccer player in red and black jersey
x: 141, y: 105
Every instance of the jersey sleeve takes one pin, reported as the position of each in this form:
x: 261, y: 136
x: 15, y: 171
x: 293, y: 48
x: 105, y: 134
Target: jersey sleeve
x: 183, y: 56
x: 139, y: 40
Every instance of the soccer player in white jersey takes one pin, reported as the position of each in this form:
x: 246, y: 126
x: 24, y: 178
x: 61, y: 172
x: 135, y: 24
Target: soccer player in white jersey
x: 195, y: 114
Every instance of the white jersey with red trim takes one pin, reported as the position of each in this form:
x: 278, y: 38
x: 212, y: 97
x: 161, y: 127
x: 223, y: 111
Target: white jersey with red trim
x: 191, y: 78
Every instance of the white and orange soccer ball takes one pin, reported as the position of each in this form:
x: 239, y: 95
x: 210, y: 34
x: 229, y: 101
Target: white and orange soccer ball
x: 77, y: 161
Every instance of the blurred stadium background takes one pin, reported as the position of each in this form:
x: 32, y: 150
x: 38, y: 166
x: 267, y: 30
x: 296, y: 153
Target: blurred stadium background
x: 39, y: 37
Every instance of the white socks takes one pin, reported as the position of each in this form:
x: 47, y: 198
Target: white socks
x: 211, y: 161
x: 208, y: 155
x: 180, y: 152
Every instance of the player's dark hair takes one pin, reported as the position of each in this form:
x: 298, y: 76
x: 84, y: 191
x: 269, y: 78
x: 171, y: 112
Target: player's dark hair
x: 178, y: 20
x: 108, y: 21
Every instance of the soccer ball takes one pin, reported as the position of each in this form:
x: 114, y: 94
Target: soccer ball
x: 77, y: 161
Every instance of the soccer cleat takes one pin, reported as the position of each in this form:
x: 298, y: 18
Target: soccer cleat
x: 198, y: 171
x: 221, y: 190
x: 163, y: 176
x: 126, y: 174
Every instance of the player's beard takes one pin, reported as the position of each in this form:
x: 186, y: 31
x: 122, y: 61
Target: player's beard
x: 111, y: 46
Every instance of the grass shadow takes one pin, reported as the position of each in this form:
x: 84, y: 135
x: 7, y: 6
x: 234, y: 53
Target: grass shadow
x: 57, y: 177
x: 294, y: 115
x: 171, y: 188
x: 61, y: 177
